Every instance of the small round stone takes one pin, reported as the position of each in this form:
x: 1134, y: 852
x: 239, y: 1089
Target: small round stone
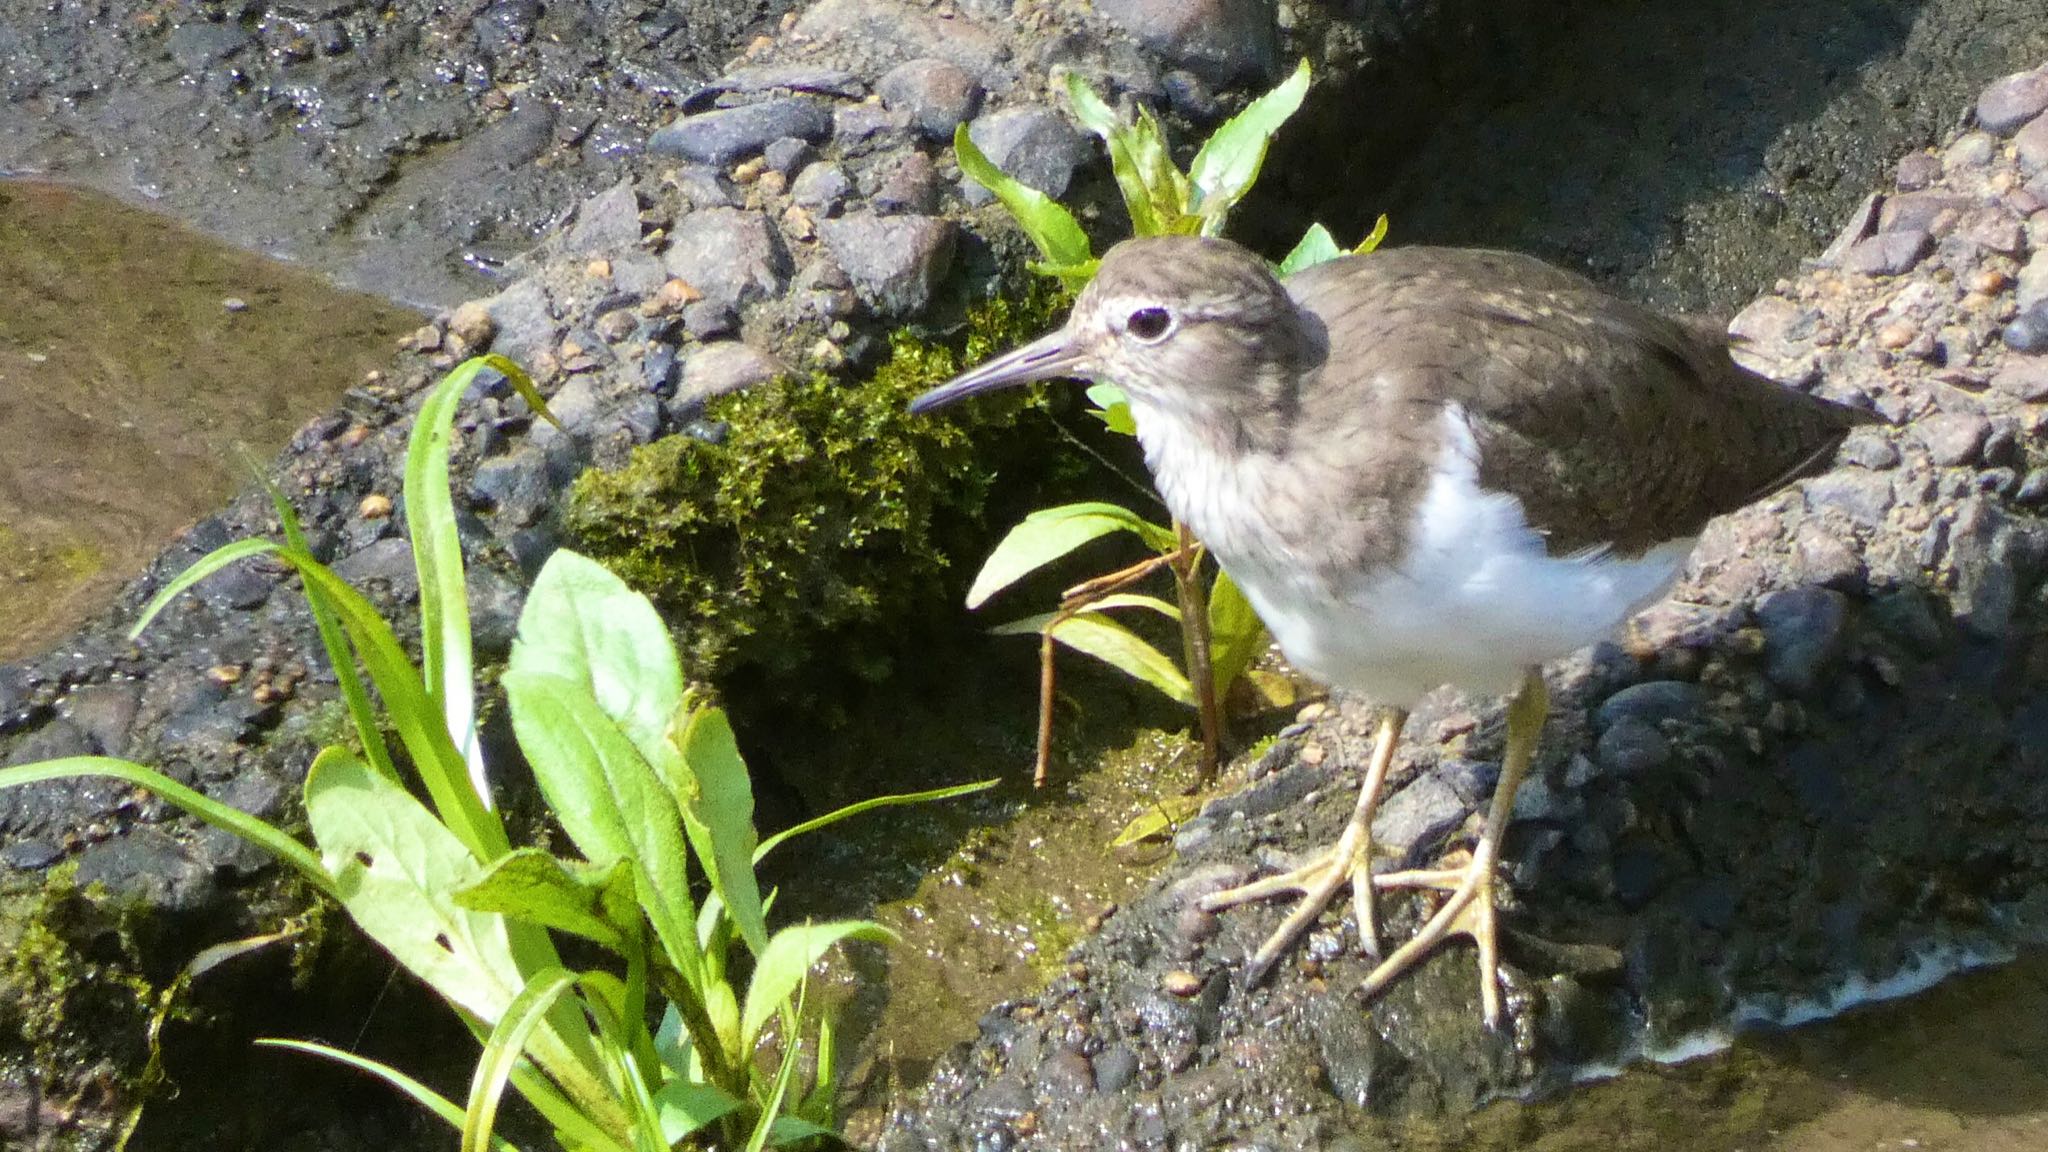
x: 375, y: 506
x: 1181, y: 982
x: 2029, y: 332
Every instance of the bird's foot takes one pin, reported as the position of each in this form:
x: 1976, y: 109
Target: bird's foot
x: 1469, y: 911
x: 1317, y: 883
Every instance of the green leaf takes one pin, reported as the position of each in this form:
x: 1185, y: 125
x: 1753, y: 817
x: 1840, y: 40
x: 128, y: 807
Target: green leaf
x: 266, y: 836
x: 717, y: 802
x: 1229, y: 162
x: 687, y: 1107
x: 1117, y: 646
x: 607, y: 799
x: 783, y: 965
x: 1317, y: 246
x: 1372, y: 241
x: 1117, y: 600
x: 584, y: 624
x: 504, y: 1049
x: 1158, y: 820
x: 1049, y: 225
x: 793, y: 1129
x: 1050, y: 533
x: 396, y: 870
x: 201, y: 568
x: 585, y: 900
x: 869, y: 805
x: 1113, y: 408
x: 1166, y: 186
x: 1236, y: 634
x: 1099, y: 118
x: 420, y: 1094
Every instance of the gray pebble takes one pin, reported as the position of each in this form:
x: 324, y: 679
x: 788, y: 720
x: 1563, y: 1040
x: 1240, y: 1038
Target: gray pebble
x: 1653, y: 702
x: 2013, y: 100
x: 788, y: 154
x: 1870, y: 448
x: 731, y: 255
x: 895, y: 262
x: 728, y: 134
x: 821, y: 185
x: 606, y: 223
x: 1802, y: 633
x: 1864, y: 497
x: 1918, y: 170
x: 2028, y: 331
x: 1418, y: 815
x: 1218, y: 40
x: 936, y: 95
x: 1953, y: 438
x: 1888, y: 253
x: 723, y: 367
x: 1632, y: 746
x: 1033, y: 144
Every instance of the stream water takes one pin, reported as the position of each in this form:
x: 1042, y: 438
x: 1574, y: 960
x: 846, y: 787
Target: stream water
x: 135, y: 356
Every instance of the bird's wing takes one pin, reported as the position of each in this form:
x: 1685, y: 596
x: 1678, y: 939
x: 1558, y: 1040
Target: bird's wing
x: 1612, y: 425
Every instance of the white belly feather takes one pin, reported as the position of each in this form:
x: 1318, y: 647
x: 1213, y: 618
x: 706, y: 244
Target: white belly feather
x: 1475, y: 601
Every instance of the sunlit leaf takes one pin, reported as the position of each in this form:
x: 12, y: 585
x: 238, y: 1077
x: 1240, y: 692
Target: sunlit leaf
x: 717, y: 802
x: 1372, y: 241
x: 1115, y: 645
x: 1229, y: 162
x: 1113, y: 408
x: 1158, y: 820
x: 781, y: 968
x: 1049, y: 225
x: 1099, y: 118
x: 869, y: 805
x: 688, y: 1106
x: 504, y: 1049
x: 1236, y: 634
x: 583, y: 899
x: 1317, y: 246
x: 1050, y: 533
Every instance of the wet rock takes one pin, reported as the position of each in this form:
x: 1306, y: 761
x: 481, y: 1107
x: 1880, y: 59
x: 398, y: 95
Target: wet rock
x: 146, y: 865
x: 936, y: 95
x: 1033, y: 144
x: 525, y: 320
x: 720, y: 368
x: 1418, y: 816
x: 1115, y: 1067
x: 1981, y: 563
x: 2028, y: 331
x: 821, y: 185
x: 1953, y: 438
x: 606, y: 223
x: 1218, y: 40
x: 2012, y: 101
x: 238, y: 587
x: 894, y: 262
x: 1802, y: 633
x: 1653, y: 702
x: 105, y: 713
x: 731, y: 255
x: 1888, y: 253
x: 1065, y: 1074
x: 387, y: 561
x: 199, y: 46
x: 729, y: 134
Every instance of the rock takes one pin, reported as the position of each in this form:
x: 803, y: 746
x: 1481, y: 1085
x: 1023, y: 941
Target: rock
x: 1888, y: 253
x: 1935, y: 213
x: 728, y: 134
x: 1218, y: 40
x: 788, y: 154
x: 525, y: 320
x: 1631, y: 746
x: 198, y: 46
x: 894, y: 262
x: 514, y: 486
x: 105, y: 713
x: 858, y: 128
x: 821, y: 185
x: 2023, y: 379
x: 894, y: 30
x: 1917, y: 170
x: 1953, y: 438
x: 708, y: 320
x: 1860, y: 224
x: 1969, y: 153
x: 936, y: 95
x: 1033, y: 144
x: 146, y: 865
x: 1653, y: 702
x: 1802, y: 633
x: 726, y: 366
x: 1115, y: 1067
x: 905, y: 184
x: 2031, y: 145
x: 606, y: 223
x: 1419, y: 815
x: 1981, y: 564
x: 2012, y: 101
x: 767, y: 78
x: 388, y: 561
x: 2028, y: 332
x: 1870, y: 448
x: 1822, y: 558
x: 703, y: 186
x: 1864, y: 497
x: 472, y: 324
x: 731, y: 255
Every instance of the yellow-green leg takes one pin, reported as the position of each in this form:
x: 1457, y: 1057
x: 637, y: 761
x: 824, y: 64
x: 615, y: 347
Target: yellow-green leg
x: 1350, y: 862
x: 1469, y: 910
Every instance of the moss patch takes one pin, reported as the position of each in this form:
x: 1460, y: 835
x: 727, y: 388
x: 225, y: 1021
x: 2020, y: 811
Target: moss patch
x: 826, y: 513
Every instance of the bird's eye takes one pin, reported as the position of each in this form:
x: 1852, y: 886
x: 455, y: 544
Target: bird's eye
x: 1149, y: 324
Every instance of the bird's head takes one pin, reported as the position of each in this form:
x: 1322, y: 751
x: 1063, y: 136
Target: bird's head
x: 1184, y: 325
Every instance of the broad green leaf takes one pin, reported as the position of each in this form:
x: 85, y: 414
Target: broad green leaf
x: 1050, y: 533
x: 229, y: 819
x: 1048, y: 223
x: 794, y: 1129
x: 1115, y: 645
x: 420, y: 1094
x: 1236, y: 635
x: 1158, y: 820
x: 584, y: 624
x: 1099, y: 118
x: 1372, y: 241
x: 1229, y: 162
x: 687, y: 1107
x: 1113, y: 408
x: 784, y: 963
x: 586, y: 900
x: 396, y: 870
x: 607, y: 799
x: 1317, y: 246
x: 717, y: 801
x: 504, y: 1049
x: 833, y: 817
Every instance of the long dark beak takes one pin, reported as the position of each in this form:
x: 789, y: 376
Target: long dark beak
x: 1046, y: 358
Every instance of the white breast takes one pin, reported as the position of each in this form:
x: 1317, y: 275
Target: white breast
x: 1475, y: 600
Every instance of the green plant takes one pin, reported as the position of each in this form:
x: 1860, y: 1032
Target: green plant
x: 1220, y: 633
x: 698, y: 1030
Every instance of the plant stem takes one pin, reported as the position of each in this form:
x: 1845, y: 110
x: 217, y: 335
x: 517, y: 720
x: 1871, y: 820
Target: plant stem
x: 1194, y: 632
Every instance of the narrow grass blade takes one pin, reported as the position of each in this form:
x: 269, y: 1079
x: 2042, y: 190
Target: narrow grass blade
x: 869, y: 805
x: 419, y: 1093
x: 503, y: 1051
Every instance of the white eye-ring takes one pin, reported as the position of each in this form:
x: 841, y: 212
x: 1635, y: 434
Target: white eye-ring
x: 1149, y: 325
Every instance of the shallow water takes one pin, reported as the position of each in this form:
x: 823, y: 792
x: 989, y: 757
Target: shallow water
x: 127, y: 379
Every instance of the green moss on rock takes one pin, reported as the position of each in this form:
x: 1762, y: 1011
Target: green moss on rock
x: 828, y: 510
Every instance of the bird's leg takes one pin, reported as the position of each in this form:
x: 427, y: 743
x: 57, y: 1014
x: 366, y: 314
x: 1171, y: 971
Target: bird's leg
x: 1349, y: 862
x: 1470, y: 910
